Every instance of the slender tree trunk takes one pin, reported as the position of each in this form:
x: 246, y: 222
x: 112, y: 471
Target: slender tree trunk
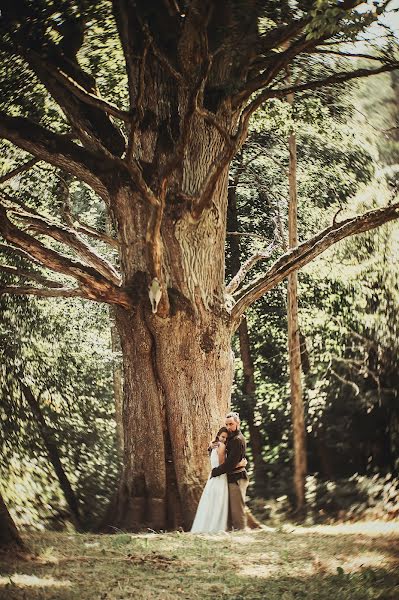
x: 10, y: 540
x: 294, y: 344
x: 53, y: 454
x: 117, y: 377
x: 249, y: 385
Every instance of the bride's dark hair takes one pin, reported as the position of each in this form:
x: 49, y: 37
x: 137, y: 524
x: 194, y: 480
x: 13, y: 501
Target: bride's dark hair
x: 221, y: 430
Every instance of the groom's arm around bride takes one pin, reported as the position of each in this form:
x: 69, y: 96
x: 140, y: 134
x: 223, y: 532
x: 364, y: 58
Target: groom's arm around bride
x: 236, y: 476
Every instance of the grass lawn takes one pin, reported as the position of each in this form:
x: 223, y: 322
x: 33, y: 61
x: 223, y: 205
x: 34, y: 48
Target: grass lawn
x: 340, y: 562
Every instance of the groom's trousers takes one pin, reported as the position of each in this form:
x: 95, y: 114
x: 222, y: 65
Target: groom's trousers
x: 237, y: 492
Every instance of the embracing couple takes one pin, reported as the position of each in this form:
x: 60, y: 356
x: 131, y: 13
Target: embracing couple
x: 222, y: 503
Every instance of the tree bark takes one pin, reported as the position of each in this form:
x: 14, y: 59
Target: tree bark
x: 10, y: 540
x: 53, y: 455
x: 294, y: 344
x: 178, y: 376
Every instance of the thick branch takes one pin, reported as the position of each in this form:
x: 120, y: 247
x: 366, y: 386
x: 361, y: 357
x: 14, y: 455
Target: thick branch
x: 15, y: 290
x: 125, y: 24
x: 76, y: 94
x: 307, y: 251
x: 57, y: 150
x: 95, y: 285
x: 89, y: 98
x: 94, y: 233
x: 279, y: 36
x: 68, y: 237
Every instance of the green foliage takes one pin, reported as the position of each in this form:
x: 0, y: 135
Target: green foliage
x: 348, y: 297
x: 330, y: 18
x: 62, y: 350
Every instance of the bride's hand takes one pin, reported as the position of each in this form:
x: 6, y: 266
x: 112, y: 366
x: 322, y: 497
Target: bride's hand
x: 243, y: 463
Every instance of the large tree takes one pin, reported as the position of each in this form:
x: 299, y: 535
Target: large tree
x: 196, y: 71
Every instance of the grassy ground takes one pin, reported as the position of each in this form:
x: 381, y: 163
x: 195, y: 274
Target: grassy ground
x: 342, y: 562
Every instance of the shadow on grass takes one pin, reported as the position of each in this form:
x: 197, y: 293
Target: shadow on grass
x: 370, y: 584
x: 280, y: 565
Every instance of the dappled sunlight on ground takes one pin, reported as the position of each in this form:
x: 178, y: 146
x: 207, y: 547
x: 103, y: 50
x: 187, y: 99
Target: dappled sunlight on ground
x: 351, y: 564
x: 31, y: 581
x: 370, y: 528
x: 345, y: 561
x: 271, y: 564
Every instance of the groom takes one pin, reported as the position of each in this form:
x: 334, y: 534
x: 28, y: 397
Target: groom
x: 237, y: 477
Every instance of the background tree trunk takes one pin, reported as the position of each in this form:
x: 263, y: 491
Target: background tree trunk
x: 294, y: 343
x: 53, y: 455
x: 249, y: 386
x: 117, y: 378
x: 10, y: 540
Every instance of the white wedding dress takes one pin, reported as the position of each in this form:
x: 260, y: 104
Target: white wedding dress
x: 213, y: 507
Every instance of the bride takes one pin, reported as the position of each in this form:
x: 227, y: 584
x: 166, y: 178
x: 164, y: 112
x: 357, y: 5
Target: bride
x: 213, y: 508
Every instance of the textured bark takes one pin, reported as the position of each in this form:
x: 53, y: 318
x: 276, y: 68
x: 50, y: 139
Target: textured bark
x: 53, y: 454
x: 177, y: 375
x: 10, y: 540
x: 294, y: 345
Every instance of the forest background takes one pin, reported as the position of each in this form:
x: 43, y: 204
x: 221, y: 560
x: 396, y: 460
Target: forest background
x: 61, y: 373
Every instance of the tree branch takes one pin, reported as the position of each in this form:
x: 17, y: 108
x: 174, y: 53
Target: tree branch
x: 336, y: 78
x: 279, y: 36
x: 280, y: 62
x: 77, y: 225
x: 125, y: 26
x: 80, y: 227
x: 75, y: 92
x: 345, y: 54
x: 57, y: 150
x: 93, y: 283
x: 16, y: 271
x: 64, y: 235
x: 13, y: 251
x: 16, y: 290
x: 246, y: 267
x: 87, y: 97
x: 307, y: 251
x: 21, y: 169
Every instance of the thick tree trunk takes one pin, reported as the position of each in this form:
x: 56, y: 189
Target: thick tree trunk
x: 178, y: 376
x: 10, y: 540
x: 294, y: 344
x: 177, y: 359
x: 53, y: 455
